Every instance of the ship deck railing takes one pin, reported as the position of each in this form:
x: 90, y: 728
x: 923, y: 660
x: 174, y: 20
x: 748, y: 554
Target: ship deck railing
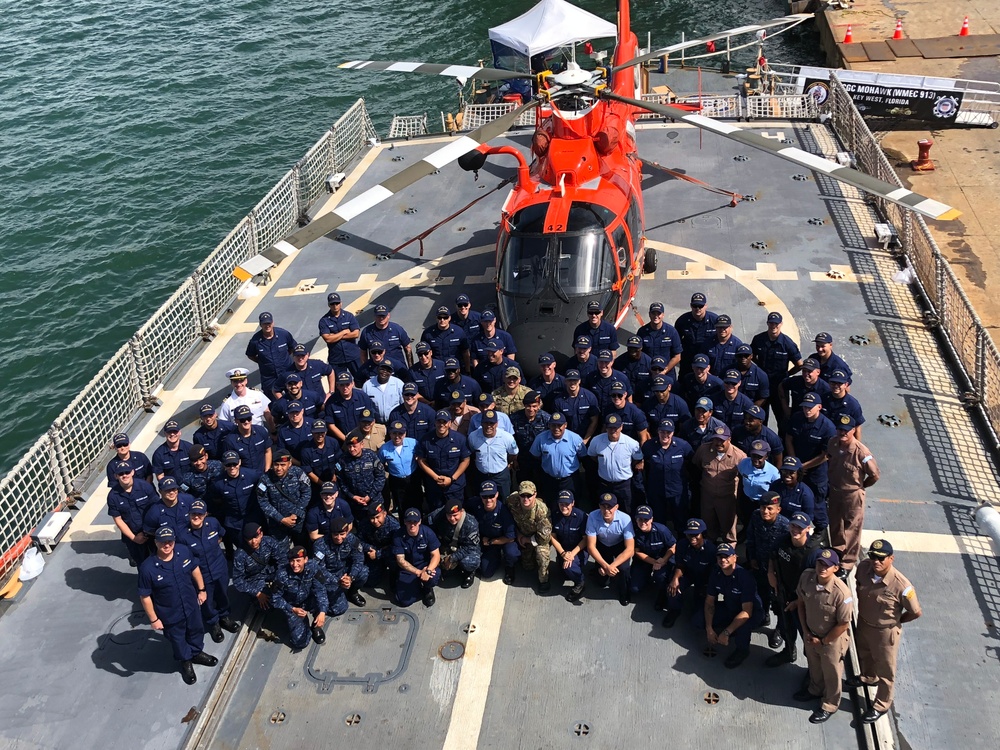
x: 53, y: 471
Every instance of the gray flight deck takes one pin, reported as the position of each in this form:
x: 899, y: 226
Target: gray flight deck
x: 536, y: 671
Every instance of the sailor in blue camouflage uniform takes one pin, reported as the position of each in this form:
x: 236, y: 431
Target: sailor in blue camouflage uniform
x: 765, y: 531
x: 233, y: 498
x: 171, y: 458
x: 203, y: 536
x: 733, y: 405
x: 128, y: 502
x: 662, y: 403
x: 753, y: 428
x: 256, y: 563
x: 775, y: 352
x: 319, y: 515
x: 696, y: 329
x: 418, y: 561
x: 653, y: 561
x: 342, y: 556
x: 283, y: 495
x: 458, y: 534
x: 296, y: 433
x: 580, y: 407
x: 660, y: 339
x: 376, y: 532
x: 732, y: 606
x: 212, y: 431
x: 497, y: 533
x: 569, y: 540
x: 201, y: 472
x: 171, y: 591
x: 444, y: 457
x: 840, y: 401
x: 251, y: 441
x: 722, y: 351
x: 699, y: 382
x: 754, y: 383
x: 666, y: 460
x: 694, y: 560
x: 362, y: 474
x: 636, y: 364
x: 528, y: 423
x: 300, y: 591
x: 170, y: 510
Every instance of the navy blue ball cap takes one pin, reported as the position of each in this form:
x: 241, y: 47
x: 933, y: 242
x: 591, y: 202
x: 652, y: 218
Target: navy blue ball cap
x: 880, y: 549
x: 488, y: 488
x: 634, y: 342
x: 608, y: 500
x: 698, y: 299
x: 456, y: 397
x: 172, y: 426
x: 397, y: 427
x: 720, y: 433
x: 412, y: 515
x: 658, y: 363
x: 294, y: 407
x: 594, y: 306
x: 759, y: 448
x: 488, y: 315
x: 452, y: 364
x: 838, y: 376
x: 120, y: 439
x: 410, y: 389
x: 168, y: 483
x: 557, y: 418
x: 230, y: 458
x: 443, y: 311
x: 318, y: 427
x: 800, y: 519
x: 299, y: 349
x: 695, y: 526
x: 123, y: 467
x: 613, y: 420
x: 165, y: 534
x: 546, y: 359
x: 755, y: 411
x: 732, y: 377
x: 704, y: 403
x: 666, y: 425
x: 333, y: 298
x: 605, y: 355
x: 566, y: 498
x: 791, y: 463
x: 344, y: 377
x: 443, y: 416
x: 844, y: 422
x: 381, y: 310
x: 659, y: 384
x: 725, y: 550
x: 583, y: 342
x: 774, y: 317
x: 265, y: 317
x: 422, y: 347
x: 644, y: 513
x: 744, y: 350
x: 329, y: 488
x: 486, y: 400
x: 198, y: 508
x: 463, y: 299
x: 242, y: 412
x: 293, y: 377
x: 811, y: 399
x: 656, y: 307
x: 492, y: 346
x: 618, y: 387
x: 206, y: 410
x: 700, y: 360
x: 376, y: 346
x: 723, y: 321
x: 828, y: 558
x: 572, y: 375
x: 810, y: 364
x: 823, y: 338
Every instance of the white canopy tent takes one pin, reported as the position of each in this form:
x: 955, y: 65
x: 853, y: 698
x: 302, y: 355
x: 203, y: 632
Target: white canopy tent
x: 551, y: 24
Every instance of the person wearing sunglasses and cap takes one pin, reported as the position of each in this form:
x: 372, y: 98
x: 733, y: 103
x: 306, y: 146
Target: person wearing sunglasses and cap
x: 203, y: 536
x: 124, y: 451
x: 172, y: 457
x: 340, y: 330
x: 447, y: 340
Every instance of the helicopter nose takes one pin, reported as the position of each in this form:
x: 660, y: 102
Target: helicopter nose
x: 534, y: 339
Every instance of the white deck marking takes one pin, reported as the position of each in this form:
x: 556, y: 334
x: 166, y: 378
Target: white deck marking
x: 489, y: 276
x: 922, y: 541
x: 305, y: 286
x: 762, y: 272
x: 477, y: 667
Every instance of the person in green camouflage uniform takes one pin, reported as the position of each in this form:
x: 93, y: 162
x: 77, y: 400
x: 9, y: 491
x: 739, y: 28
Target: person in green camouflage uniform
x: 509, y: 397
x: 534, y: 530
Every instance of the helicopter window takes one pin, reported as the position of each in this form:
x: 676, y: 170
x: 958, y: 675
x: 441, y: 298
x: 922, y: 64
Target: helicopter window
x: 585, y: 265
x: 523, y: 269
x: 621, y: 246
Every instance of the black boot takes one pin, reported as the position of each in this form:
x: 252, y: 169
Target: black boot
x: 187, y: 673
x: 509, y: 574
x: 775, y: 639
x: 205, y: 660
x: 576, y: 593
x: 670, y: 618
x: 355, y: 598
x: 216, y: 632
x: 228, y: 623
x: 468, y: 579
x: 661, y: 601
x: 788, y: 655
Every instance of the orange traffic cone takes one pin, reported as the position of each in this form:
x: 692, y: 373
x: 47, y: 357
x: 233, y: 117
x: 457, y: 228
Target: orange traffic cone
x: 898, y: 33
x: 849, y: 37
x: 965, y: 27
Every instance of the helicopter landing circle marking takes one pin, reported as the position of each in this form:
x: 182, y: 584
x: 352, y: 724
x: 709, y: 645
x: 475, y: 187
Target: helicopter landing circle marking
x: 771, y: 301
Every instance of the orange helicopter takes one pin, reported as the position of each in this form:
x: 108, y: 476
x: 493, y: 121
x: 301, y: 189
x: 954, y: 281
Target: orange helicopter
x: 571, y: 229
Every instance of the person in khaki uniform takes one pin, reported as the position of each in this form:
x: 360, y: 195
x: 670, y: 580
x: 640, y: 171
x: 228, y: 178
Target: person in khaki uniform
x: 534, y: 530
x: 852, y: 470
x: 718, y: 460
x: 886, y: 599
x: 825, y: 607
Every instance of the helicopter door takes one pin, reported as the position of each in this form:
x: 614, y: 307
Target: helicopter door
x: 620, y: 244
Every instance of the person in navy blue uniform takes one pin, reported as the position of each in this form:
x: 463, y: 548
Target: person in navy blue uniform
x: 295, y: 392
x: 128, y: 502
x: 138, y: 460
x: 319, y: 457
x: 733, y: 405
x: 828, y: 360
x: 528, y: 423
x: 765, y: 531
x: 696, y: 328
x: 654, y: 556
x: 699, y: 382
x: 296, y: 433
x: 171, y: 590
x: 666, y: 464
x: 256, y: 564
x: 300, y: 590
x: 777, y: 355
x: 319, y: 516
x: 694, y: 560
x: 754, y: 383
x: 732, y: 606
x: 426, y: 372
x: 340, y: 330
x: 579, y: 406
x: 465, y: 317
x: 343, y: 408
x: 753, y: 428
x: 635, y: 364
x: 271, y: 349
x: 603, y: 335
x: 840, y: 401
x: 362, y: 474
x: 233, y: 497
x: 722, y: 351
x: 212, y: 431
x: 447, y: 340
x: 601, y: 381
x: 201, y: 472
x: 283, y: 494
x: 170, y: 510
x: 662, y: 403
x: 491, y: 368
x: 660, y: 339
x: 377, y: 358
x: 549, y: 383
x: 342, y: 556
x: 701, y: 425
x: 416, y: 416
x: 807, y: 435
x: 794, y: 388
x: 454, y: 380
x: 489, y: 331
x: 497, y: 533
x: 376, y: 531
x: 584, y: 360
x: 203, y: 536
x: 171, y: 458
x: 444, y: 457
x: 796, y: 496
x: 252, y: 442
x: 569, y: 540
x: 458, y: 534
x: 392, y: 336
x: 418, y: 559
x: 317, y: 375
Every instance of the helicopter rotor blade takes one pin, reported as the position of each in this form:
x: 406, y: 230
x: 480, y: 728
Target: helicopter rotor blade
x: 907, y: 198
x: 435, y: 69
x: 792, y: 20
x: 344, y: 212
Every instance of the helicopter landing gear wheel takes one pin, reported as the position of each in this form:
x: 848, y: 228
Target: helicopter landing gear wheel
x: 649, y: 260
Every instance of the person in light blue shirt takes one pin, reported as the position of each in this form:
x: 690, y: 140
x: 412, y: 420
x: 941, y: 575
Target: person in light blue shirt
x: 398, y: 455
x: 493, y: 450
x: 617, y: 456
x: 611, y: 542
x: 756, y: 477
x: 560, y: 451
x: 384, y: 390
x: 484, y: 402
